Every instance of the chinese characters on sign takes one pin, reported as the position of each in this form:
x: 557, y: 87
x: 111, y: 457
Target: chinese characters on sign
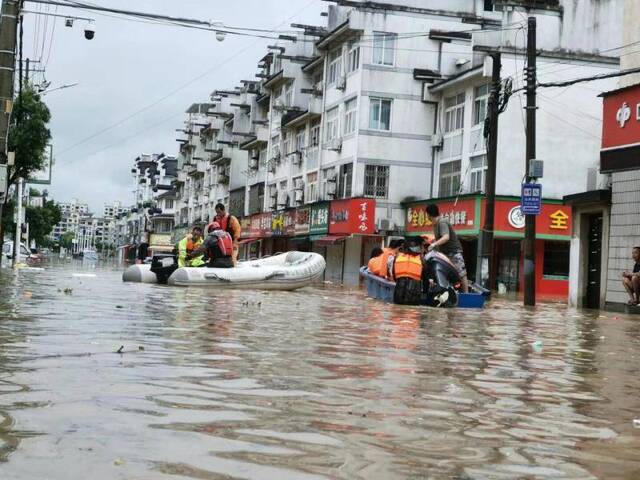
x: 352, y: 216
x: 531, y: 200
x: 460, y: 214
x: 559, y: 220
x: 363, y: 217
x: 319, y: 219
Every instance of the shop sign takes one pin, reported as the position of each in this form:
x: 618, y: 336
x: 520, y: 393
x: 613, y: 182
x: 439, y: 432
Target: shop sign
x: 357, y: 215
x: 554, y: 219
x: 302, y: 221
x: 461, y: 215
x: 245, y: 227
x: 160, y: 240
x: 531, y: 200
x: 277, y: 224
x: 621, y: 123
x: 290, y: 223
x: 254, y: 229
x: 266, y: 225
x: 319, y: 219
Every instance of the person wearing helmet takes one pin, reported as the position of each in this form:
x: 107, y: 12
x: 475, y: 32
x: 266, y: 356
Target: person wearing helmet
x: 187, y: 245
x: 218, y: 246
x: 230, y: 224
x: 408, y: 271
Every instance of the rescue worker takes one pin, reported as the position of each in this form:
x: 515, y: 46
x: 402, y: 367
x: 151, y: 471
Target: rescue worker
x: 187, y: 245
x: 218, y: 246
x: 229, y: 224
x: 408, y: 270
x: 375, y: 261
x: 394, y: 248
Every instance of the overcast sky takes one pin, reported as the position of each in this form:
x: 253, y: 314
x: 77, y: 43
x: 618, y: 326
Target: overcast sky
x: 129, y: 66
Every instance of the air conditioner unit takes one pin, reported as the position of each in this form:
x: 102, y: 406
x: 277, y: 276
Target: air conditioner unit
x: 272, y: 167
x: 296, y: 158
x: 384, y: 224
x: 341, y: 83
x: 299, y: 195
x: 332, y: 187
x: 223, y: 179
x: 335, y: 144
x: 437, y: 140
x: 277, y: 157
x: 299, y: 185
x: 254, y: 163
x: 318, y: 88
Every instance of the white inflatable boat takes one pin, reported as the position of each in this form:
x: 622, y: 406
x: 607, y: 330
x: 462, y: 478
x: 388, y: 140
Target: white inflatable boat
x: 287, y: 271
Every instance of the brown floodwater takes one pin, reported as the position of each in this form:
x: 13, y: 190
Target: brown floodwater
x: 316, y: 384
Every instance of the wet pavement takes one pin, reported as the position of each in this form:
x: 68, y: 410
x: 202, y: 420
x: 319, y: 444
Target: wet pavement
x: 319, y: 383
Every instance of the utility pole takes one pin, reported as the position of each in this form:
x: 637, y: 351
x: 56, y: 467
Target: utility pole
x: 491, y: 137
x: 8, y: 33
x: 18, y: 236
x: 530, y: 220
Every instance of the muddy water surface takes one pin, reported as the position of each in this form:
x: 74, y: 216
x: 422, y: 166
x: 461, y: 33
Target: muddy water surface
x: 320, y: 383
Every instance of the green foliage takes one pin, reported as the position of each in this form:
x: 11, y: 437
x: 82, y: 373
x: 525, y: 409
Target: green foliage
x: 41, y: 221
x: 66, y: 240
x: 28, y: 134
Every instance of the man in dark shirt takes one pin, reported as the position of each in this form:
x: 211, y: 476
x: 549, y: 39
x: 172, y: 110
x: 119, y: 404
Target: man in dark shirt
x: 631, y: 280
x: 448, y: 243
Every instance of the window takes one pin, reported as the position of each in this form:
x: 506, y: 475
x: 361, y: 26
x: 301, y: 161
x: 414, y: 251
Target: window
x: 288, y: 95
x: 480, y: 99
x: 384, y: 46
x: 350, y: 116
x: 300, y: 137
x: 168, y: 204
x: 315, y: 134
x: 556, y: 259
x: 311, y: 195
x: 379, y: 114
x: 478, y: 173
x: 275, y: 146
x: 488, y: 5
x: 332, y: 124
x: 353, y: 57
x: 287, y: 144
x: 335, y: 66
x: 376, y: 181
x: 449, y: 178
x: 345, y: 180
x: 454, y: 113
x: 329, y: 182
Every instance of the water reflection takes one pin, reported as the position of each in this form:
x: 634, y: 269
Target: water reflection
x: 320, y: 383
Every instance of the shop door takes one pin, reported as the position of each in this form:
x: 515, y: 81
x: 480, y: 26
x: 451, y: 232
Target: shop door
x: 508, y: 253
x: 594, y: 258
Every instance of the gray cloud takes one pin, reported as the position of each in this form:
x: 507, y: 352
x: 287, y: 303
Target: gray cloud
x: 130, y: 65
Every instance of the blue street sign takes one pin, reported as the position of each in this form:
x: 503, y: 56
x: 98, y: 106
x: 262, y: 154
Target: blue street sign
x: 531, y: 201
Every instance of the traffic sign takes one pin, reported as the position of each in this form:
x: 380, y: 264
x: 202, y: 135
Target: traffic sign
x: 531, y: 201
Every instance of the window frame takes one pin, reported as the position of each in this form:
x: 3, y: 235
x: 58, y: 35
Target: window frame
x: 374, y: 187
x: 381, y: 48
x: 376, y: 125
x: 345, y: 181
x: 334, y: 70
x: 353, y: 56
x: 332, y: 124
x: 314, y: 134
x: 300, y: 139
x: 450, y: 177
x: 350, y: 116
x: 453, y: 113
x: 475, y: 172
x: 480, y: 104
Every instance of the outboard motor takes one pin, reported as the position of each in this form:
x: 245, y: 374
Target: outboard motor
x: 442, y: 277
x: 163, y: 266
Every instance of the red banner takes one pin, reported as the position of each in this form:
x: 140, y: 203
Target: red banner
x: 621, y: 123
x: 356, y: 215
x: 554, y: 219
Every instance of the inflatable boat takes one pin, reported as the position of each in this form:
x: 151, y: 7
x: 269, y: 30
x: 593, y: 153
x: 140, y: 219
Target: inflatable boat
x: 287, y: 271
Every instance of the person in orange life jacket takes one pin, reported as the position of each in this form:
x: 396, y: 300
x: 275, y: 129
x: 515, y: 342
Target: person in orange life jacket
x: 229, y: 224
x: 392, y: 251
x: 219, y: 247
x: 375, y: 261
x: 408, y: 270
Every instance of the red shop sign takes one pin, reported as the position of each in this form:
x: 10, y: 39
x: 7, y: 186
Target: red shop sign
x: 356, y: 215
x: 302, y: 221
x: 620, y: 122
x: 554, y: 219
x: 461, y: 215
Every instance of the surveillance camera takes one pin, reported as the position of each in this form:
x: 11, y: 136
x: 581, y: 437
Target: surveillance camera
x: 90, y: 32
x: 68, y: 22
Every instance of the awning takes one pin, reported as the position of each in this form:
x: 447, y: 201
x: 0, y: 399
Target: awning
x: 329, y: 239
x: 247, y: 240
x: 299, y: 239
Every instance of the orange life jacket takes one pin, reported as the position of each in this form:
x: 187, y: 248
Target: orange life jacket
x: 191, y: 246
x: 408, y: 266
x: 225, y: 244
x: 378, y: 265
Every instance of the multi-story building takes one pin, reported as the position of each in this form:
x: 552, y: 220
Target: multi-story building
x: 387, y: 102
x: 72, y: 212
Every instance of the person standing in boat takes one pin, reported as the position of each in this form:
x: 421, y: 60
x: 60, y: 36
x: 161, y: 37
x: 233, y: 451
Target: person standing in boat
x: 218, y: 246
x: 231, y: 225
x: 408, y: 271
x: 187, y: 245
x: 447, y: 242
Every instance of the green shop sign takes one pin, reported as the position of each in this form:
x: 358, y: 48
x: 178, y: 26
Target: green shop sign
x: 319, y: 219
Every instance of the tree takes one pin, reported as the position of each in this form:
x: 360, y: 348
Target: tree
x: 28, y: 138
x: 41, y: 221
x: 66, y: 240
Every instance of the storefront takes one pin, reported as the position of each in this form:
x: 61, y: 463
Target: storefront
x: 619, y: 157
x: 553, y: 235
x: 343, y: 231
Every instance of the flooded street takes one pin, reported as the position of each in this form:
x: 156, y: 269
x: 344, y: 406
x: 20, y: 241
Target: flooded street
x: 319, y: 383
